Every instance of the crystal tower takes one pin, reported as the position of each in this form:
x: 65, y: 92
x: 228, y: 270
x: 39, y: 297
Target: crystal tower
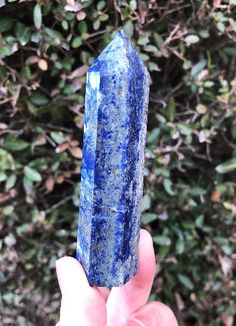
x: 117, y: 92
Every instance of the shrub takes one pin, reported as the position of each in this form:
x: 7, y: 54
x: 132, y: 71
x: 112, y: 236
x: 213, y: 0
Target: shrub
x: 189, y: 197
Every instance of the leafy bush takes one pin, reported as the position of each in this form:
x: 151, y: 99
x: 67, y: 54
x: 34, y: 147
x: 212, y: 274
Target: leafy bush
x: 189, y: 197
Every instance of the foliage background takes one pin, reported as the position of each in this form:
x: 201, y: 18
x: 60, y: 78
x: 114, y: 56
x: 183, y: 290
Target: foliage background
x: 189, y: 197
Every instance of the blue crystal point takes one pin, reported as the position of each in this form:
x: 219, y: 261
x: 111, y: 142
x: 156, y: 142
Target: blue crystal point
x: 117, y: 91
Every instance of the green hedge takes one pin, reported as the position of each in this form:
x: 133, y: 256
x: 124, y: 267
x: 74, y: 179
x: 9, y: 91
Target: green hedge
x: 189, y: 201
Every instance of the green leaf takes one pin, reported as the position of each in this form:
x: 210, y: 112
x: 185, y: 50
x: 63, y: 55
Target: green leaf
x: 8, y: 49
x: 32, y: 174
x: 167, y: 183
x: 96, y: 24
x: 152, y: 66
x: 226, y: 249
x: 144, y: 57
x: 39, y: 99
x: 15, y: 144
x: 162, y: 240
x: 83, y: 28
x: 22, y: 33
x: 171, y: 109
x: 220, y: 26
x: 180, y: 245
x: 36, y: 37
x: 65, y: 25
x: 6, y: 23
x: 53, y: 37
x: 197, y: 191
x: 199, y: 221
x: 11, y: 180
x: 133, y: 5
x: 227, y: 166
x: 143, y: 39
x: 146, y: 202
x: 153, y: 136
x: 103, y: 17
x: 23, y: 228
x: 8, y: 210
x: 209, y: 84
x: 101, y: 5
x: 151, y: 48
x: 198, y: 67
x: 163, y: 251
x: 77, y: 41
x: 28, y: 185
x: 129, y: 28
x: 192, y: 39
x: 221, y: 240
x: 185, y: 129
x: 158, y: 39
x: 2, y: 176
x: 32, y: 108
x: 148, y: 218
x: 30, y: 253
x: 37, y: 16
x: 185, y: 281
x: 58, y: 137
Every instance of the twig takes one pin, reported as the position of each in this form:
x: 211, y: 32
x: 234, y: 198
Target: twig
x: 58, y: 204
x: 228, y: 142
x: 50, y: 126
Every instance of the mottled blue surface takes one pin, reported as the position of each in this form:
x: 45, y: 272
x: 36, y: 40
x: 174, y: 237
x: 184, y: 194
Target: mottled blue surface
x: 117, y: 93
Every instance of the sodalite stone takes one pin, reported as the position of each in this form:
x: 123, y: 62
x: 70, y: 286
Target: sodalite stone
x: 117, y: 93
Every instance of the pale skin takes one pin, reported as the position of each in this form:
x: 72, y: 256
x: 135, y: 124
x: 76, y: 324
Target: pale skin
x: 83, y: 305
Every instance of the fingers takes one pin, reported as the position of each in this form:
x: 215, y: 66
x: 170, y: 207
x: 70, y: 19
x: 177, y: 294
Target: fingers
x: 81, y: 304
x: 153, y: 314
x: 125, y: 300
x: 71, y: 277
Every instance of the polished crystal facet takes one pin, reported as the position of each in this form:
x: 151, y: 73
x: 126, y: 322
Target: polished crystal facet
x: 117, y: 92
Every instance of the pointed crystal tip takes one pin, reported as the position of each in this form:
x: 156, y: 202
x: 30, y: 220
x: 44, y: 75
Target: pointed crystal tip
x: 119, y: 54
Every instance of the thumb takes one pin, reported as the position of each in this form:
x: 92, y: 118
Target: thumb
x: 81, y: 304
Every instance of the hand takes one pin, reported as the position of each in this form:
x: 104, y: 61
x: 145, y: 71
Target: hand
x: 83, y: 305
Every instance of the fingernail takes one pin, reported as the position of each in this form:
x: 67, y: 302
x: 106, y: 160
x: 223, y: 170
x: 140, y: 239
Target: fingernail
x: 134, y: 322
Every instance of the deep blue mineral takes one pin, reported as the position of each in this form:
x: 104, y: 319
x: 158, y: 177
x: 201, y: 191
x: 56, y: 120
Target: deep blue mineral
x: 117, y: 93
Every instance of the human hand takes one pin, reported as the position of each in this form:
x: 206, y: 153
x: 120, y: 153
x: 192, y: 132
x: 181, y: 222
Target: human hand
x: 83, y: 305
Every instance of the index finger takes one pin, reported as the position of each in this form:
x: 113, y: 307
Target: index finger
x: 78, y: 297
